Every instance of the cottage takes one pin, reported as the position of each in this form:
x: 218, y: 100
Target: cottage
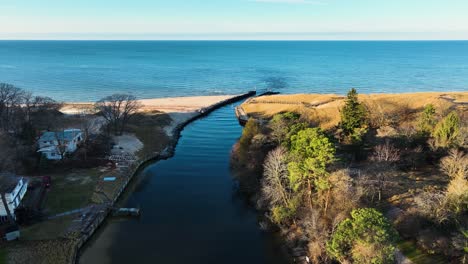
x: 12, y: 188
x: 54, y: 145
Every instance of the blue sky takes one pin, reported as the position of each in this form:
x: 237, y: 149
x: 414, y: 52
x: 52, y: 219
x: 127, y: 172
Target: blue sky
x: 234, y: 19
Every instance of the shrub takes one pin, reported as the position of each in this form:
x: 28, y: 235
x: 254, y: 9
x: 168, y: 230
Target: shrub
x: 285, y: 125
x: 366, y: 237
x: 447, y: 132
x: 250, y: 130
x: 427, y: 120
x: 280, y: 124
x: 455, y: 165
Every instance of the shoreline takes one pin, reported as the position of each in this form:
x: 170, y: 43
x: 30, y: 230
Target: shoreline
x: 167, y: 154
x: 182, y: 104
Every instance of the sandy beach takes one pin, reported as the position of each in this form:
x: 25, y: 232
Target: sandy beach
x: 167, y: 105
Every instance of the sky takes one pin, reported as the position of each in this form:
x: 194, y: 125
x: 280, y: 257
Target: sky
x: 234, y: 19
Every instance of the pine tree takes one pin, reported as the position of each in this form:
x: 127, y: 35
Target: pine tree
x: 427, y: 120
x: 353, y: 118
x: 447, y: 132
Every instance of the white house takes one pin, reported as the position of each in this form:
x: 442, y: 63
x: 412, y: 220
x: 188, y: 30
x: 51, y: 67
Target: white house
x: 54, y: 145
x: 13, y: 188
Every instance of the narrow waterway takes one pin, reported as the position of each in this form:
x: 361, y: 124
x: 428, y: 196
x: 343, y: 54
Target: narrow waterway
x: 191, y: 212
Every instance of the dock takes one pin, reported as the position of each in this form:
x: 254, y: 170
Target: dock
x: 126, y: 212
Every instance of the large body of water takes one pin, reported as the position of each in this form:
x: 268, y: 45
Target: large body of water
x: 191, y: 212
x: 88, y: 70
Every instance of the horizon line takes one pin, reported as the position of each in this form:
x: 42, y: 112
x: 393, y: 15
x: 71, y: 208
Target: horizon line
x: 259, y: 40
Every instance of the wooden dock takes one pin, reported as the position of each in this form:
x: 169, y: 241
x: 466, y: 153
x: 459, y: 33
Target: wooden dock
x: 126, y: 212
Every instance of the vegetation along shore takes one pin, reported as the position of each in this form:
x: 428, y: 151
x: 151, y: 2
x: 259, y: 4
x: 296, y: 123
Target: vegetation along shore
x: 379, y: 178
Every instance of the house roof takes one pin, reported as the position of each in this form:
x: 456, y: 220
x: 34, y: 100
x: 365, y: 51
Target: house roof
x: 66, y: 135
x: 8, y: 182
x: 48, y: 149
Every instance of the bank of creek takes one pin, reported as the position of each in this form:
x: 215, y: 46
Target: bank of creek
x: 191, y: 212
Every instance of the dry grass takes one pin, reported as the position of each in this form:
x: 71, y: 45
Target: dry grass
x: 324, y: 108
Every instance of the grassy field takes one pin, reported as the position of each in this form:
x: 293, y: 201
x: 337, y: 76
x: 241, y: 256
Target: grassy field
x: 325, y: 108
x: 49, y: 229
x: 71, y: 190
x: 68, y: 191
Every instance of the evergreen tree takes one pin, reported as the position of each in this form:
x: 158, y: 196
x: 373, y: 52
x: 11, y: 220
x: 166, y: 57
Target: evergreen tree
x: 427, y: 120
x: 311, y: 152
x: 366, y: 237
x: 353, y: 118
x: 447, y: 132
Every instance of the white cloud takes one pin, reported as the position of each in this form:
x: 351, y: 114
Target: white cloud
x: 290, y: 2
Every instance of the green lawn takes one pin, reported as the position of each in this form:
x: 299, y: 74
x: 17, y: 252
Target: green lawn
x: 71, y: 190
x: 409, y: 249
x: 3, y: 256
x: 50, y: 229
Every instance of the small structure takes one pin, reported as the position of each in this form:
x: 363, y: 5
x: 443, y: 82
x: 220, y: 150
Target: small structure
x: 9, y: 232
x: 13, y: 189
x: 126, y: 212
x: 54, y: 145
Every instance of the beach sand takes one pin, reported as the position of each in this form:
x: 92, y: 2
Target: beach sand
x: 167, y: 105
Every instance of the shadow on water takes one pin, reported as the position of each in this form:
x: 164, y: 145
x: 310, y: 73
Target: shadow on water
x: 191, y: 212
x: 275, y: 83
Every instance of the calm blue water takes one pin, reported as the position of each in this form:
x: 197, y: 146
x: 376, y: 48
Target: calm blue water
x: 88, y: 70
x: 191, y: 212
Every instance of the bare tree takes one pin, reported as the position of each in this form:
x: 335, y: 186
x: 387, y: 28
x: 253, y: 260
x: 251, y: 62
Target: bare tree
x: 117, y: 109
x: 386, y: 153
x: 275, y: 177
x: 11, y: 98
x: 319, y: 223
x: 384, y: 158
x: 61, y: 143
x: 7, y: 153
x: 455, y: 165
x: 433, y: 205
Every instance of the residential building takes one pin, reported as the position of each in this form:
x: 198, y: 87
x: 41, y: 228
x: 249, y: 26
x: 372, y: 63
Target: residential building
x: 55, y: 145
x: 13, y: 188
